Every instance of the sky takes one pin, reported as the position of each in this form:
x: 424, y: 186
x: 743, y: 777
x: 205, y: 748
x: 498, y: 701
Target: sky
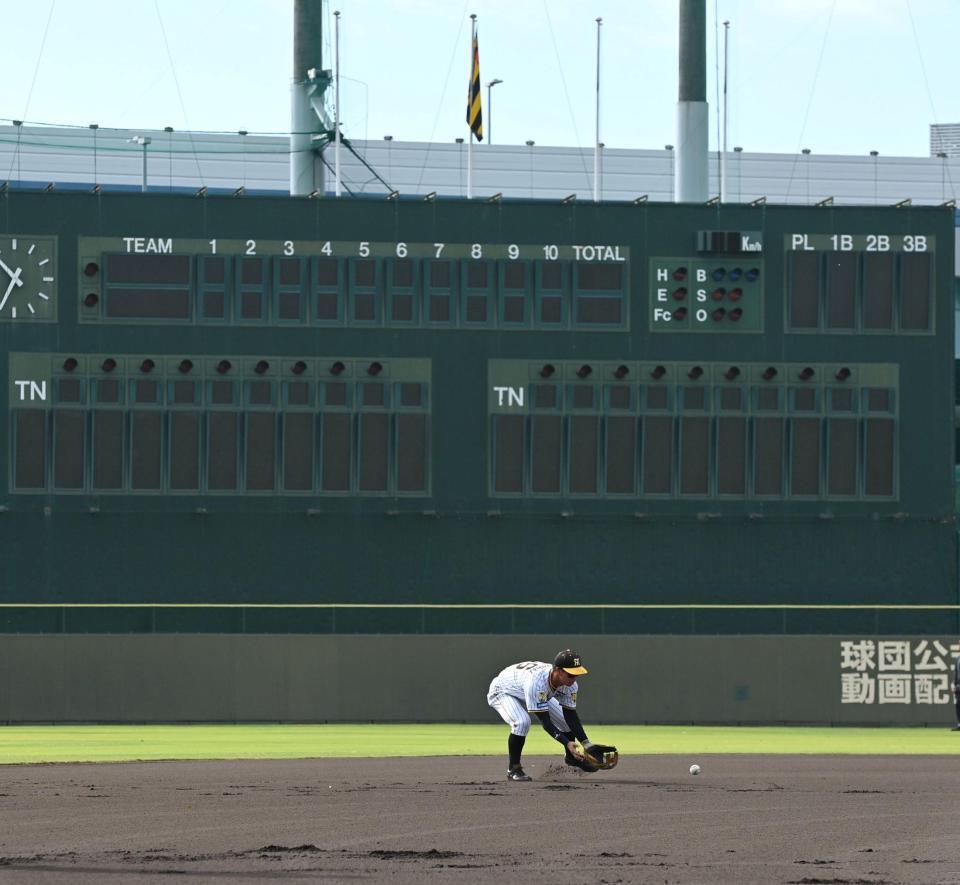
x: 834, y: 76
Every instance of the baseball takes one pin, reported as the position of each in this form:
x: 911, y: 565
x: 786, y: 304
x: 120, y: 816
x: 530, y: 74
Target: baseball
x: 694, y: 769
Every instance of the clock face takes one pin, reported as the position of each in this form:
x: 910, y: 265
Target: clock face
x: 28, y: 278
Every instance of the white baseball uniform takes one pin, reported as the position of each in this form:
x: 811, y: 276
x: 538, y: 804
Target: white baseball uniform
x: 524, y: 688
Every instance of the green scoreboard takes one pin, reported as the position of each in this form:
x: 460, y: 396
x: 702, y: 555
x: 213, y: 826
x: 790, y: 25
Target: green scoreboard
x: 212, y: 401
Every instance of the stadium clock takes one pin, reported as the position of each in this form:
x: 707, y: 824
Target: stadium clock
x: 28, y: 278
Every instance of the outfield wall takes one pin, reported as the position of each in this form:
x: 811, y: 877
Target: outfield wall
x: 400, y: 678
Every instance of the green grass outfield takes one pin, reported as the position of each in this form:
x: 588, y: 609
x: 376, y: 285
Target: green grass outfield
x: 126, y: 743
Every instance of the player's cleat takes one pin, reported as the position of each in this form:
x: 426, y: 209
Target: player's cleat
x: 955, y: 728
x: 517, y: 774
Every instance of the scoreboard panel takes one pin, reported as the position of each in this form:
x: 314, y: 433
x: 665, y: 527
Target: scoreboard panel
x: 860, y: 284
x: 460, y: 402
x: 644, y: 431
x: 401, y: 285
x: 706, y: 296
x: 218, y: 425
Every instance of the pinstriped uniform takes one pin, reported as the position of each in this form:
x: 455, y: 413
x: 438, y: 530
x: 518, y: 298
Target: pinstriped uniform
x: 525, y: 687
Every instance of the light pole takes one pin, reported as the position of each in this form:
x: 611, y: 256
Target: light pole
x: 530, y: 144
x: 490, y: 86
x: 143, y: 141
x: 93, y: 128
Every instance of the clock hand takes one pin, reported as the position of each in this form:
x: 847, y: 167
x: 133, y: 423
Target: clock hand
x: 14, y: 276
x: 6, y: 294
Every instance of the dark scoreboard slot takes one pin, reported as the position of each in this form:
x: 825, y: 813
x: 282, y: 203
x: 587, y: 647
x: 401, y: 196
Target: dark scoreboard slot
x: 68, y: 450
x: 29, y: 449
x: 411, y: 447
x: 171, y: 270
x: 878, y: 290
x: 694, y: 455
x: 604, y: 277
x: 768, y: 466
x: 804, y: 289
x: 657, y: 454
x: 584, y: 455
x: 161, y: 304
x: 916, y: 290
x: 108, y: 450
x: 374, y: 452
x: 732, y: 467
x: 621, y: 446
x: 842, y: 290
x: 261, y: 451
x: 508, y: 446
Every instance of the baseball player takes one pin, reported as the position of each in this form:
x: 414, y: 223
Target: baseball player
x: 956, y: 690
x: 549, y: 692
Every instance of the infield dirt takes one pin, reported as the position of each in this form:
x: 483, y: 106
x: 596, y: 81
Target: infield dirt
x: 745, y: 819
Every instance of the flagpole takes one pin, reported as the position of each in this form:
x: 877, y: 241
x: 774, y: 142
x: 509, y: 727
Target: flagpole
x: 336, y: 125
x: 473, y: 37
x: 596, y: 140
x: 723, y: 148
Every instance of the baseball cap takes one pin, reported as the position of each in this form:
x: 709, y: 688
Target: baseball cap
x: 569, y: 660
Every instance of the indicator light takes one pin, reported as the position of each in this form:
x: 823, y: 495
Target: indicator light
x: 658, y: 372
x: 679, y: 314
x: 261, y: 367
x: 584, y: 371
x: 374, y: 368
x: 299, y: 367
x: 621, y: 372
x: 680, y: 273
x: 69, y: 364
x: 735, y: 314
x: 719, y: 314
x: 337, y: 368
x: 91, y: 269
x: 90, y: 299
x: 769, y: 373
x: 731, y: 373
x: 109, y: 364
x: 842, y: 374
x: 805, y: 374
x: 147, y: 366
x: 547, y: 370
x: 224, y: 366
x: 185, y: 366
x: 680, y: 294
x: 695, y: 372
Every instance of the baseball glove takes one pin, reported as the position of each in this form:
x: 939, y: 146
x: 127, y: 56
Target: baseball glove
x: 584, y: 764
x: 601, y: 755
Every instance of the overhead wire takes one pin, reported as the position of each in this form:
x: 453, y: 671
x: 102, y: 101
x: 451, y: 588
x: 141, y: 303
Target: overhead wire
x: 33, y: 82
x: 813, y: 89
x: 926, y: 83
x: 566, y: 94
x: 446, y: 81
x: 176, y: 83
